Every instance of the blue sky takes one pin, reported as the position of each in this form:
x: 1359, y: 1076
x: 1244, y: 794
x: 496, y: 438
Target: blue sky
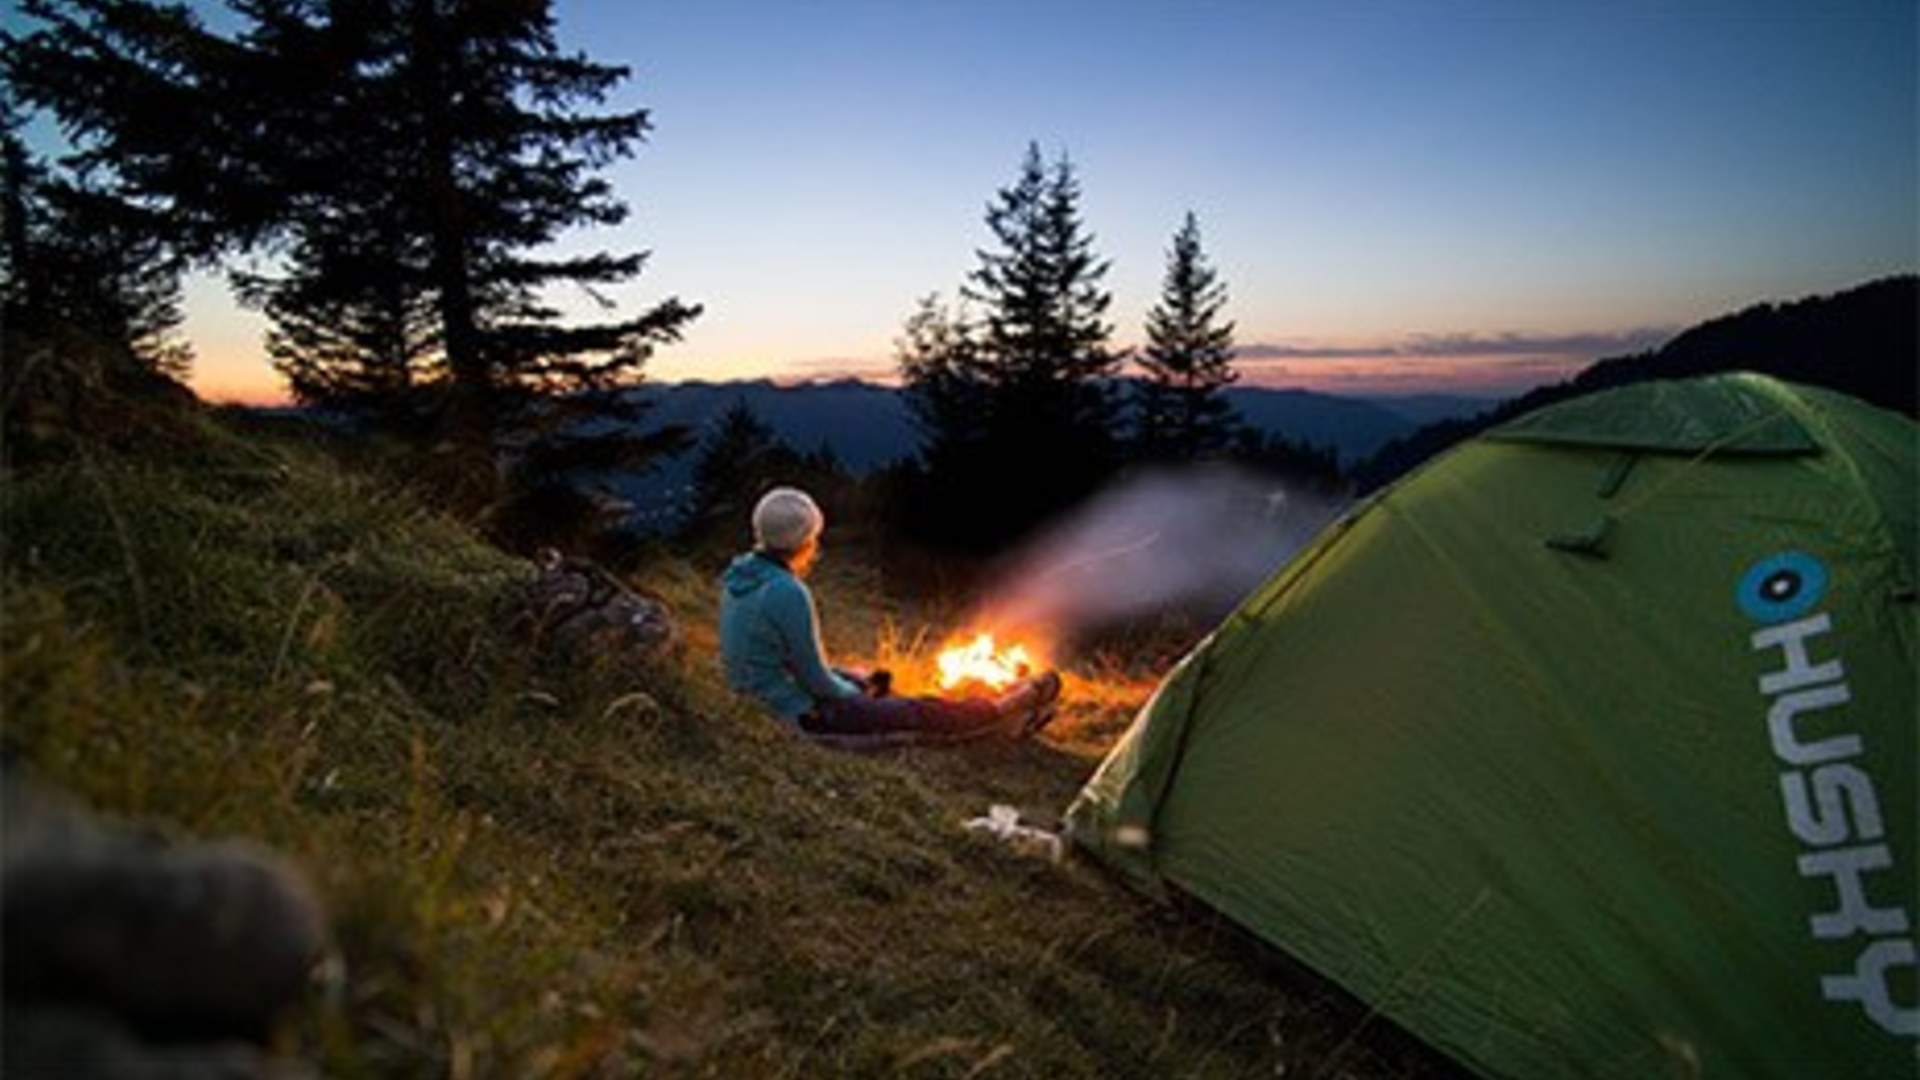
x: 1465, y: 194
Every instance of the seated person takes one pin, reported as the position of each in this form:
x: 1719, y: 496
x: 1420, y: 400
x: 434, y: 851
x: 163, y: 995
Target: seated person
x: 770, y: 647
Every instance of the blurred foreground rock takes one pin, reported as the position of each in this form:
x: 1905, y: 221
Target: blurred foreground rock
x: 128, y: 958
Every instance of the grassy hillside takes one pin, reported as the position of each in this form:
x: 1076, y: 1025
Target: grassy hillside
x: 541, y: 870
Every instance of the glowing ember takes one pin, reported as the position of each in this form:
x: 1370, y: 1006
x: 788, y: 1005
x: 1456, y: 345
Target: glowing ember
x: 978, y: 661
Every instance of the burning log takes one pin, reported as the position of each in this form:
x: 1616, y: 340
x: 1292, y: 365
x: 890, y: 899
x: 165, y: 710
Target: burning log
x: 983, y: 663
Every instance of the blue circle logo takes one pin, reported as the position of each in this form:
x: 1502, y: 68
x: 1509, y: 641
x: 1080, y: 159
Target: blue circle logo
x: 1781, y: 587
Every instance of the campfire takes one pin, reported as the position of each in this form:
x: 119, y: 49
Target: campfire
x: 983, y: 664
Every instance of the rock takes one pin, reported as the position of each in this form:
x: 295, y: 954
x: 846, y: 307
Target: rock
x: 178, y: 942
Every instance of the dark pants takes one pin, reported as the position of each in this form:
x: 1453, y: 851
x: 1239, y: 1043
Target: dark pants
x: 924, y: 715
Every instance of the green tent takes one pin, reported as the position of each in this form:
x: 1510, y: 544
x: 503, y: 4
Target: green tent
x: 1587, y: 750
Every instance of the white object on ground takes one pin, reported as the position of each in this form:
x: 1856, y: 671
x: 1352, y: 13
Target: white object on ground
x: 1003, y: 824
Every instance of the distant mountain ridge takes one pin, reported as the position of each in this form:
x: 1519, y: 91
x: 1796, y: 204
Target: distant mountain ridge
x: 1863, y: 341
x: 868, y: 425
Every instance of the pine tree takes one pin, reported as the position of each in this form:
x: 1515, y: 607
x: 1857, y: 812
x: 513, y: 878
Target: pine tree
x: 1180, y: 412
x: 353, y: 325
x: 468, y: 150
x: 940, y: 362
x: 89, y: 308
x: 412, y: 159
x: 1044, y: 341
x: 738, y: 462
x: 1017, y: 415
x: 75, y: 257
x: 354, y: 321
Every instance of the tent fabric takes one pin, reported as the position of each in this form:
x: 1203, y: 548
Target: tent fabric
x: 1587, y: 750
x: 1727, y: 415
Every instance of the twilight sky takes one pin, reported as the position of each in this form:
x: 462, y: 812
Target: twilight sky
x: 1470, y: 195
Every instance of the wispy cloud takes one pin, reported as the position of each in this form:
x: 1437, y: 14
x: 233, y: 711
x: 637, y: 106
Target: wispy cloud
x: 1375, y: 374
x: 1492, y: 364
x: 1585, y: 345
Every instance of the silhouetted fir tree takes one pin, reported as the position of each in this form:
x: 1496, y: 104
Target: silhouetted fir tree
x: 1314, y: 468
x: 1017, y: 413
x: 89, y: 306
x: 1041, y: 291
x: 738, y: 462
x: 1180, y: 413
x: 823, y: 459
x: 79, y: 258
x: 158, y: 109
x: 409, y: 157
x: 353, y: 326
x: 945, y: 381
x: 373, y: 352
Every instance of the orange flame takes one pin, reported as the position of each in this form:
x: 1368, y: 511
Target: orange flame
x: 980, y: 661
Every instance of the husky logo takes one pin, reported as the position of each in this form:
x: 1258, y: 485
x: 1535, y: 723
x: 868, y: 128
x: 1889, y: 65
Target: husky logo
x: 1830, y: 799
x: 1783, y: 587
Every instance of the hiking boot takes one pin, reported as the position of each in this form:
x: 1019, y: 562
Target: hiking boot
x: 1032, y: 698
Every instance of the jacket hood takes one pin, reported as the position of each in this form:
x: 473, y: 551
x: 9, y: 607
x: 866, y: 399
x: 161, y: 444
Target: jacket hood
x: 749, y: 572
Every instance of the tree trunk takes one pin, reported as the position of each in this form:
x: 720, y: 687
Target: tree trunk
x: 470, y: 421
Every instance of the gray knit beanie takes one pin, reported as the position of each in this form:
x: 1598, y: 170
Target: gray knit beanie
x: 785, y: 519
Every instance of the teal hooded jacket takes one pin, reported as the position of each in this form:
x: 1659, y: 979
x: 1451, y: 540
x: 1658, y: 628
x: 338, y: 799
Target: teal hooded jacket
x: 770, y: 639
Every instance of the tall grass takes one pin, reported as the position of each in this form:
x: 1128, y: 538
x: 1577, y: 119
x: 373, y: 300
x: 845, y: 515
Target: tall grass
x: 613, y: 870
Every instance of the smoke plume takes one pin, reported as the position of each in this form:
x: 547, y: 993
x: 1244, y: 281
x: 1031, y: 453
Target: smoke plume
x: 1193, y: 541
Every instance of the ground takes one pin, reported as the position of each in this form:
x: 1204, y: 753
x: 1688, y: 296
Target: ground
x: 534, y: 867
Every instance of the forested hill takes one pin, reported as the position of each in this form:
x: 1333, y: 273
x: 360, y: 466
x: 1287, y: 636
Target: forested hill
x: 1862, y: 342
x: 865, y: 426
x: 868, y: 425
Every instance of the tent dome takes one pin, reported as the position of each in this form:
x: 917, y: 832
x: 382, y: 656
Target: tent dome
x: 1588, y: 749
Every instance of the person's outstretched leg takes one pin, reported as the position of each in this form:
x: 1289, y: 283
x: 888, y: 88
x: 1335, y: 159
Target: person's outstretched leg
x: 874, y: 716
x: 1024, y: 708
